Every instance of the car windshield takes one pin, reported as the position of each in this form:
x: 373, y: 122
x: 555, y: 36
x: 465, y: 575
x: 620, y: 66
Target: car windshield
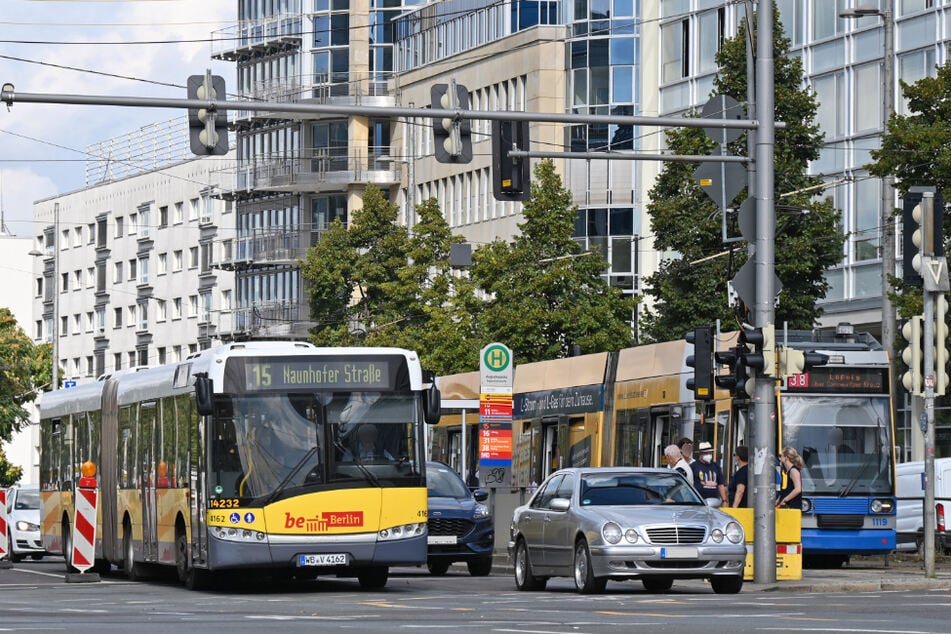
x: 28, y: 500
x: 640, y: 489
x: 443, y: 482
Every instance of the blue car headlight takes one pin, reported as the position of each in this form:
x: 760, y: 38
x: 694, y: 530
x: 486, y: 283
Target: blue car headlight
x: 481, y: 511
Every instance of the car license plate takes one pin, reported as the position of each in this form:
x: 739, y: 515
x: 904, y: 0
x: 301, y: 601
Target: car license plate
x: 331, y: 559
x: 442, y: 540
x: 679, y: 552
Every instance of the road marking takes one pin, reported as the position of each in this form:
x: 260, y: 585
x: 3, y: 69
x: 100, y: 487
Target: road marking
x: 653, y: 614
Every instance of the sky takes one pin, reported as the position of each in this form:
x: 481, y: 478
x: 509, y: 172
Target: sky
x: 140, y: 48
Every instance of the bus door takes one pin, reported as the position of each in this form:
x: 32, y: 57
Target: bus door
x: 150, y: 434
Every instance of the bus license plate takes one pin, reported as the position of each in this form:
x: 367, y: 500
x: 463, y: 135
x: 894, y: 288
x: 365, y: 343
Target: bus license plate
x: 679, y: 552
x: 332, y: 559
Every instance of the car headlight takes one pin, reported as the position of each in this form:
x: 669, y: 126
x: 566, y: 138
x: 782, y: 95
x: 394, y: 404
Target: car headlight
x: 27, y: 526
x: 631, y: 536
x: 716, y: 535
x: 481, y: 511
x: 611, y: 533
x: 734, y: 532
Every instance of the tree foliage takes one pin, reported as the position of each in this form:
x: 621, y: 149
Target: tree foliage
x: 916, y: 150
x: 24, y: 367
x: 545, y: 294
x: 690, y: 286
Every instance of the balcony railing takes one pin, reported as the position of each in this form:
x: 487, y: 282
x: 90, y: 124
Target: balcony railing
x: 256, y: 33
x: 274, y: 247
x: 316, y: 168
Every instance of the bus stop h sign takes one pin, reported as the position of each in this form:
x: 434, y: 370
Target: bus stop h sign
x: 497, y: 373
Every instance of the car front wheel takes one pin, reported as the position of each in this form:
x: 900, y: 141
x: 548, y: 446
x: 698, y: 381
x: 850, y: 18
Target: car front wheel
x: 480, y: 567
x: 727, y: 585
x: 585, y: 581
x: 524, y: 579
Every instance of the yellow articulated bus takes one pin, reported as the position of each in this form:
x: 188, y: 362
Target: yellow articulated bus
x: 272, y: 456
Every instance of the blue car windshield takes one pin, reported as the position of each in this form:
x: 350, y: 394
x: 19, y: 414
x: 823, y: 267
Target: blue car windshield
x: 443, y: 482
x: 640, y: 489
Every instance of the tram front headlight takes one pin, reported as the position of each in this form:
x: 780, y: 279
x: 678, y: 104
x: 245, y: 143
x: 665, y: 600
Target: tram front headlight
x: 882, y: 505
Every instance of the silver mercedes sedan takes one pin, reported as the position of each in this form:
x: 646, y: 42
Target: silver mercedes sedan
x: 595, y: 524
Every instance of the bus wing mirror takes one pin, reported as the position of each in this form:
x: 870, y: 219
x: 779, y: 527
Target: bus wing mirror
x: 432, y: 405
x: 203, y: 391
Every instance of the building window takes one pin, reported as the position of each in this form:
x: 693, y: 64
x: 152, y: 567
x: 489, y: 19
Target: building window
x: 179, y: 213
x: 162, y: 263
x: 176, y: 261
x: 133, y: 224
x: 193, y: 305
x: 117, y: 360
x: 161, y: 310
x: 193, y: 257
x: 120, y: 222
x: 675, y: 38
x: 117, y: 318
x: 163, y: 217
x: 161, y: 355
x: 177, y: 308
x: 133, y: 270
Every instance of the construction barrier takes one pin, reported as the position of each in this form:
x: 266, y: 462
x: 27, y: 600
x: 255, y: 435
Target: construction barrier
x: 83, y: 555
x: 788, y: 542
x: 4, y: 555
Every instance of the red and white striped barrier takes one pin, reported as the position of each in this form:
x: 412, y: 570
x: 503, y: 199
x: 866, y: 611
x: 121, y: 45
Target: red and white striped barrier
x: 3, y: 524
x: 84, y: 525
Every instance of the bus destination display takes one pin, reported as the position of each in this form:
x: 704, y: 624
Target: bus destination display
x: 291, y: 374
x: 840, y: 380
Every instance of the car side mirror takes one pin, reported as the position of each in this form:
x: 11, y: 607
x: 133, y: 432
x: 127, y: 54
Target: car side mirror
x: 480, y: 495
x: 713, y: 502
x: 560, y: 504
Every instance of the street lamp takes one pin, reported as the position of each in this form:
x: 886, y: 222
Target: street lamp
x: 888, y: 196
x: 54, y: 330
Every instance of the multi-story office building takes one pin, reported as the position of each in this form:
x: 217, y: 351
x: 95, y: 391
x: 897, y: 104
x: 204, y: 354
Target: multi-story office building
x: 126, y: 269
x: 843, y: 62
x: 297, y: 173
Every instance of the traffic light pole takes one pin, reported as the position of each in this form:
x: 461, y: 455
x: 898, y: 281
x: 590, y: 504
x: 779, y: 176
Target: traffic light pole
x: 764, y: 398
x: 928, y: 513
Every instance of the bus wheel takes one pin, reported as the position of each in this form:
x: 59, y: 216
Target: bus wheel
x: 375, y: 577
x: 67, y: 542
x: 197, y: 579
x: 181, y: 556
x: 133, y: 569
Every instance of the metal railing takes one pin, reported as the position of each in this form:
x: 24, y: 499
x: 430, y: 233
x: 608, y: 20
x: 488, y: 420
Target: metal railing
x: 315, y: 167
x: 319, y: 88
x: 256, y: 33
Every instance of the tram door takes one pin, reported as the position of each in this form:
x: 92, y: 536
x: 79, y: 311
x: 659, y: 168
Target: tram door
x: 642, y: 435
x: 151, y: 436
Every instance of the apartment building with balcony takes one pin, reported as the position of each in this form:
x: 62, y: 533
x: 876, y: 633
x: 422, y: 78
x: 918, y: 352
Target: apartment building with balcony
x: 298, y: 173
x: 126, y: 270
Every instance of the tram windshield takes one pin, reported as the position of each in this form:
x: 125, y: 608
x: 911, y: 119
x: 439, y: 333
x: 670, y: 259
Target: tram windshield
x: 845, y: 443
x: 265, y: 447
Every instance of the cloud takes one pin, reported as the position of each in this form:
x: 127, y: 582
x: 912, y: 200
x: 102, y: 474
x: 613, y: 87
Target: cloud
x: 19, y: 188
x: 54, y: 137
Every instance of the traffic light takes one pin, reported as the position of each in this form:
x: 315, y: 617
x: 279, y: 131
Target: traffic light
x: 940, y: 345
x: 728, y: 358
x: 912, y: 356
x: 792, y: 362
x: 452, y: 136
x: 511, y: 176
x: 761, y: 349
x: 923, y: 231
x: 207, y: 128
x: 701, y: 361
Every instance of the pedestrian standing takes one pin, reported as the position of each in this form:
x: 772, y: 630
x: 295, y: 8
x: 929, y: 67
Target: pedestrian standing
x: 740, y: 479
x: 791, y: 495
x: 686, y: 449
x: 676, y: 461
x: 708, y: 476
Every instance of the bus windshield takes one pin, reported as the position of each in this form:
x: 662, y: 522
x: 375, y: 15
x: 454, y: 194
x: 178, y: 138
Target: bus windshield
x: 265, y: 447
x: 844, y: 442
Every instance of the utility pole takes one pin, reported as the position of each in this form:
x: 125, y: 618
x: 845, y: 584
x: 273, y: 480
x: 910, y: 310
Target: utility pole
x: 764, y: 397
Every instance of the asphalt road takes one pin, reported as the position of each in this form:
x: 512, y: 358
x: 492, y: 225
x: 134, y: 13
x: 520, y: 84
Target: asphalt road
x: 34, y: 597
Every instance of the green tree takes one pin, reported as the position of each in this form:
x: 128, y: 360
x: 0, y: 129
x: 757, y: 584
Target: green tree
x: 546, y: 294
x: 374, y: 284
x: 24, y: 367
x: 916, y: 150
x: 352, y: 275
x: 689, y: 287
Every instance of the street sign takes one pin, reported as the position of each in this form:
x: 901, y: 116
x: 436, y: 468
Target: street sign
x: 723, y: 107
x: 497, y: 373
x: 495, y: 415
x: 69, y: 384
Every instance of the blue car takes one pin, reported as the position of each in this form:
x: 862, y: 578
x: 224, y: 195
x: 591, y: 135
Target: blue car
x: 460, y: 526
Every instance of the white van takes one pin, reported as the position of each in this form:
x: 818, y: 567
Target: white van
x: 910, y: 477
